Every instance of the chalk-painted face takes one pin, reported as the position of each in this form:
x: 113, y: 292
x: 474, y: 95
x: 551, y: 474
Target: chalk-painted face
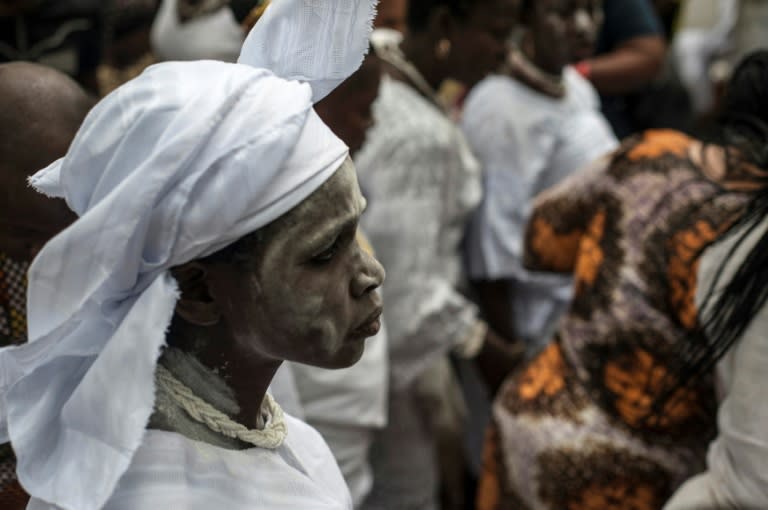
x: 312, y: 297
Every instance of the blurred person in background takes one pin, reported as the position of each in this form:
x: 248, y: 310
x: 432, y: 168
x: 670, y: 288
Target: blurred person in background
x: 422, y: 183
x: 618, y: 410
x: 127, y: 49
x: 392, y: 14
x: 194, y: 30
x: 629, y: 56
x: 529, y: 128
x: 40, y: 114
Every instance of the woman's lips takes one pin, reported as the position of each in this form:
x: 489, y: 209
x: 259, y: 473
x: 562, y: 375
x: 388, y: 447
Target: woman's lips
x: 369, y: 327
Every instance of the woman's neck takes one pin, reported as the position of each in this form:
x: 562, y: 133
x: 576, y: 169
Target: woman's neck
x: 419, y: 52
x: 528, y: 48
x: 218, y: 372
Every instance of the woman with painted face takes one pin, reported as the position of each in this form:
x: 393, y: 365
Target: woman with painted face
x: 215, y: 239
x: 530, y: 129
x: 422, y: 183
x: 619, y: 409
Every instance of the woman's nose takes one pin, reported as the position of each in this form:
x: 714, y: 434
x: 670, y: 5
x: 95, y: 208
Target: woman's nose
x: 369, y: 274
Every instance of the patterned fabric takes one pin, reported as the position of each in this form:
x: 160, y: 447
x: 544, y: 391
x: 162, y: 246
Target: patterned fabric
x: 13, y: 301
x: 574, y: 428
x: 13, y: 330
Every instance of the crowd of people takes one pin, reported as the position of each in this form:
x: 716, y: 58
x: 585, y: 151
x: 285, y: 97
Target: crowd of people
x: 384, y: 255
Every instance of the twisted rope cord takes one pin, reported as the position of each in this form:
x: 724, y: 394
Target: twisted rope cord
x: 271, y: 437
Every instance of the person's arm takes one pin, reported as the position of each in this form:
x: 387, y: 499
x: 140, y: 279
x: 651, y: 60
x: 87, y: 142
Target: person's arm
x: 409, y: 225
x: 632, y: 65
x: 633, y: 48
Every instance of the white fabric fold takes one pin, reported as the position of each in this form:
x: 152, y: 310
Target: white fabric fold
x: 341, y: 28
x: 173, y: 166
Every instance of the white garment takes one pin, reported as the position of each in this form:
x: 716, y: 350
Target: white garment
x: 347, y: 407
x: 283, y: 390
x: 695, y: 47
x: 526, y: 142
x: 421, y: 182
x: 148, y: 174
x: 171, y: 472
x: 214, y: 36
x: 737, y: 464
x: 351, y: 447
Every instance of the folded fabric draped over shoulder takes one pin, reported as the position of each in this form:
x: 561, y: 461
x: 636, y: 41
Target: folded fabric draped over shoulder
x: 173, y: 166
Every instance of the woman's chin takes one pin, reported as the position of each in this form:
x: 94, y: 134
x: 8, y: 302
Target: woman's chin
x: 349, y: 354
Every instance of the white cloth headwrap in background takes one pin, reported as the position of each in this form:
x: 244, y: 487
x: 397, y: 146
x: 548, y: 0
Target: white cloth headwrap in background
x: 173, y: 166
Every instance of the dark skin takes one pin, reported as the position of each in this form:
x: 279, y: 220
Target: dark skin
x: 560, y: 32
x: 629, y: 67
x: 478, y: 43
x: 347, y: 110
x: 40, y: 112
x: 392, y: 14
x: 303, y: 292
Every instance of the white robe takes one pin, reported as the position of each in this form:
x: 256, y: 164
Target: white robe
x: 527, y: 142
x: 171, y: 472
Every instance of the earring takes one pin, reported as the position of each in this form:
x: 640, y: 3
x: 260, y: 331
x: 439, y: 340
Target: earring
x: 443, y: 49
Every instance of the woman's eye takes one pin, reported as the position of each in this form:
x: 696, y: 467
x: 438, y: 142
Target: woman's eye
x: 326, y: 255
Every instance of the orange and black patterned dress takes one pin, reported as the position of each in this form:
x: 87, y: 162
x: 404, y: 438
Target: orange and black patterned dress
x: 573, y: 429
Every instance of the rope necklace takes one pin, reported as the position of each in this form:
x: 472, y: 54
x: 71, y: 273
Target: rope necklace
x: 270, y: 437
x: 520, y: 67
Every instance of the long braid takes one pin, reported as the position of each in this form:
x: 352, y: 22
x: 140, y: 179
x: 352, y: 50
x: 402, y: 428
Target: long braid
x: 728, y: 308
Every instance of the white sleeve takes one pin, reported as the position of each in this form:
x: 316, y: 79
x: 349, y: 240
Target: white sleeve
x: 737, y: 464
x: 426, y: 315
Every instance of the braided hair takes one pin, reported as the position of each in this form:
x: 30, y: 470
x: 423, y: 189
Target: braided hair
x: 728, y: 308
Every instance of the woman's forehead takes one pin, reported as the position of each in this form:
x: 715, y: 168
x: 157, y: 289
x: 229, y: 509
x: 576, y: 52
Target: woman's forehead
x: 335, y: 202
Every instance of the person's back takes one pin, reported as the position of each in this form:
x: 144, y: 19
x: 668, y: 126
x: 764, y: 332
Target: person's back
x: 609, y: 390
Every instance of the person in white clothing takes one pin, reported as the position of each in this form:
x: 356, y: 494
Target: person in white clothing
x: 216, y: 238
x: 530, y: 128
x: 422, y: 183
x: 737, y: 474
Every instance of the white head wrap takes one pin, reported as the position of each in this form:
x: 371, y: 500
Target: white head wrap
x: 173, y: 166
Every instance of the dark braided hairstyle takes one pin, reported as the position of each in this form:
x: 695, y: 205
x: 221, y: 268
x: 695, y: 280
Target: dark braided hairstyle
x: 729, y: 307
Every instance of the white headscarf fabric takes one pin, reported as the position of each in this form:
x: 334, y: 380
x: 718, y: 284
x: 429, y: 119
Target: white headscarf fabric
x: 173, y: 166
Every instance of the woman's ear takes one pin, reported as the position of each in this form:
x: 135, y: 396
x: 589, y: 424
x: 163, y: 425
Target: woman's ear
x: 196, y: 306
